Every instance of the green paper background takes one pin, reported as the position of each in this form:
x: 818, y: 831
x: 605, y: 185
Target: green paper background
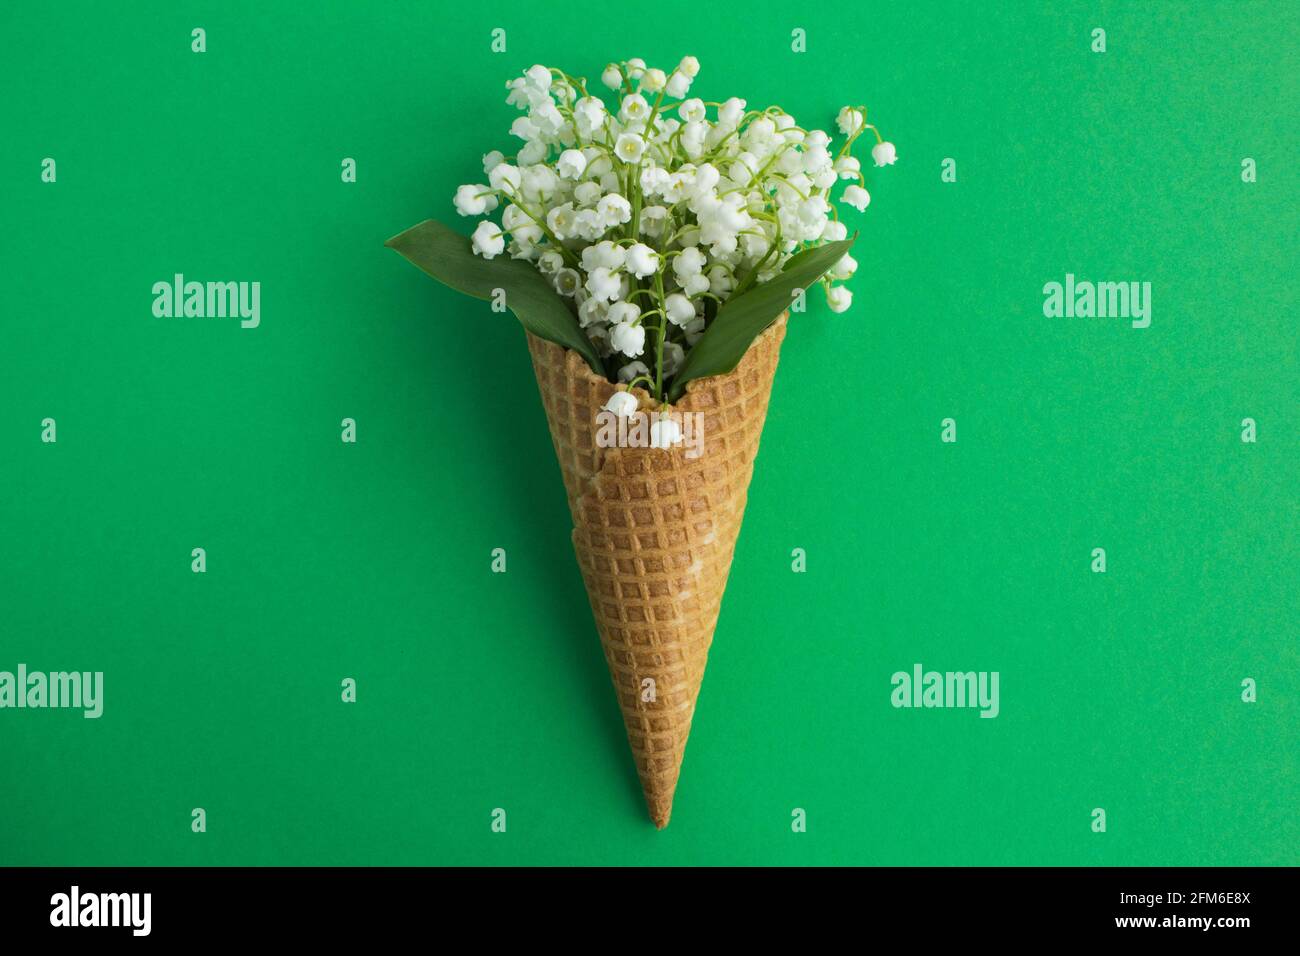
x: 480, y: 690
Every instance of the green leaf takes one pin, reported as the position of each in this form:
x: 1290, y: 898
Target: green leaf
x: 743, y: 319
x: 447, y: 256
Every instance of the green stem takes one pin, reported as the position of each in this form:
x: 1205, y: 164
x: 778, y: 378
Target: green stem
x: 568, y: 254
x: 659, y: 345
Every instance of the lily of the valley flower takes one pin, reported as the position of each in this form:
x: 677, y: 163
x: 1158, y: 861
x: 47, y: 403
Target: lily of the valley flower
x: 630, y: 148
x: 475, y: 200
x: 571, y: 164
x: 623, y: 313
x: 567, y: 282
x: 838, y: 298
x: 642, y: 261
x: 648, y: 210
x: 680, y: 310
x: 665, y: 433
x: 634, y: 108
x: 614, y: 209
x: 849, y: 121
x: 633, y: 370
x: 857, y: 197
x: 844, y: 269
x: 488, y: 240
x: 621, y: 404
x: 627, y: 338
x: 884, y: 154
x: 603, y: 284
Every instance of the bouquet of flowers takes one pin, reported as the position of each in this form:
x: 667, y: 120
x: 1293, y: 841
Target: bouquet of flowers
x: 653, y: 248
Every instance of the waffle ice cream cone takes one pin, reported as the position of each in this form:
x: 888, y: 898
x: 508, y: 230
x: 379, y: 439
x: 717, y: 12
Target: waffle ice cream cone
x: 654, y: 531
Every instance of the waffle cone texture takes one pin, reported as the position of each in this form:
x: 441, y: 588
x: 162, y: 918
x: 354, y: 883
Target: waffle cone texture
x: 654, y: 532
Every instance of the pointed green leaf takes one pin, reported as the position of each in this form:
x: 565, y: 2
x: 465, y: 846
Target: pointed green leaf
x: 447, y: 256
x: 742, y: 319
